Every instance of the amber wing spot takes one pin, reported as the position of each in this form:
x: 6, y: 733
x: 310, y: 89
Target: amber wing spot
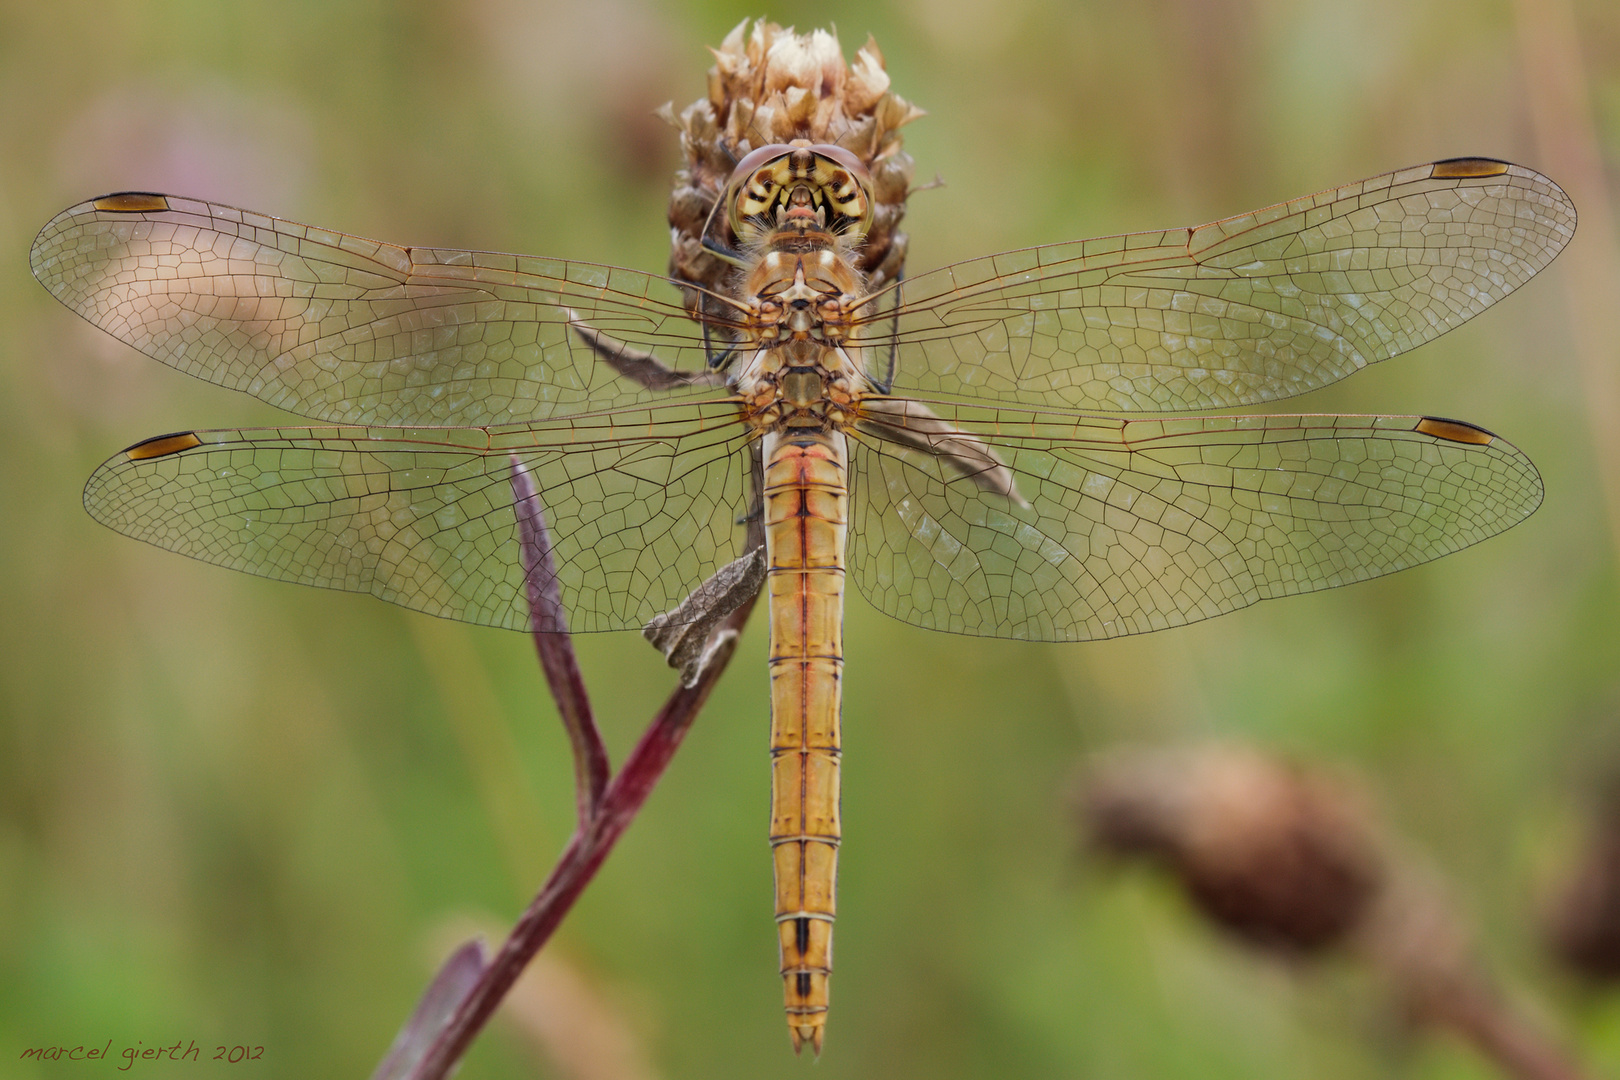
x: 1464, y: 167
x: 162, y: 446
x: 1454, y: 431
x: 132, y: 202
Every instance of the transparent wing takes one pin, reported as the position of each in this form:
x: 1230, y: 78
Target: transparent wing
x: 354, y: 331
x: 1138, y: 525
x: 1254, y: 308
x: 641, y: 508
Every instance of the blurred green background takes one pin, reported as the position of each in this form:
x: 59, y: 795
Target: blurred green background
x: 240, y: 812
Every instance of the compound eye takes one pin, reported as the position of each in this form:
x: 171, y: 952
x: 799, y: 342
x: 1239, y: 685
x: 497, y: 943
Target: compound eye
x: 839, y: 156
x: 757, y: 198
x: 754, y: 185
x: 847, y: 183
x: 751, y: 200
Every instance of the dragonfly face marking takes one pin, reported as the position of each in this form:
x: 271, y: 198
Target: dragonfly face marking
x: 799, y: 185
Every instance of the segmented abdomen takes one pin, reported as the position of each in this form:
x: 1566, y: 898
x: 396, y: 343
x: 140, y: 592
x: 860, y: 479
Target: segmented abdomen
x: 806, y: 514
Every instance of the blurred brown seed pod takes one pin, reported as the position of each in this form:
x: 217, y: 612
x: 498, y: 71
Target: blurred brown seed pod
x: 1279, y: 855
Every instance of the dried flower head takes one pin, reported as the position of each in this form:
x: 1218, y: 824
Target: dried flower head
x: 1584, y: 923
x: 1290, y: 858
x: 771, y: 85
x: 1280, y: 855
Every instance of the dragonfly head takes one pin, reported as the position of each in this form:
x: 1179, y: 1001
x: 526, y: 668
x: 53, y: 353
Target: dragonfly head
x: 800, y: 187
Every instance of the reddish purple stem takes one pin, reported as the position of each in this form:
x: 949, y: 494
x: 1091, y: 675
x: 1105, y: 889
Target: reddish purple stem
x: 548, y: 624
x: 449, y: 988
x: 606, y: 806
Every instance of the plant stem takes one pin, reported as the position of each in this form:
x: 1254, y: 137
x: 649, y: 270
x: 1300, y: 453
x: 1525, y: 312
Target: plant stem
x: 606, y: 806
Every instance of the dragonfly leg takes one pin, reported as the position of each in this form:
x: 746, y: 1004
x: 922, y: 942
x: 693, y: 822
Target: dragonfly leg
x: 886, y: 384
x: 720, y: 359
x: 715, y: 247
x: 721, y: 251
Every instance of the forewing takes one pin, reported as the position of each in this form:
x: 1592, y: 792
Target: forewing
x: 641, y: 508
x: 1253, y: 308
x: 1138, y: 525
x: 354, y: 331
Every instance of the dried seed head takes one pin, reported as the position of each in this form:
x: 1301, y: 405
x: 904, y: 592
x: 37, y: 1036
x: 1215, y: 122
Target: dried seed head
x: 1279, y: 855
x: 1584, y: 923
x: 771, y: 85
x: 1289, y: 859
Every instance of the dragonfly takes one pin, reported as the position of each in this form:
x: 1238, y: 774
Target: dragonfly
x: 1016, y: 446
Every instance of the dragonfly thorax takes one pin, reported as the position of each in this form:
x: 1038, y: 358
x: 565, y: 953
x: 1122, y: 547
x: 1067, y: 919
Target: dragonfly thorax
x: 801, y: 293
x: 799, y: 385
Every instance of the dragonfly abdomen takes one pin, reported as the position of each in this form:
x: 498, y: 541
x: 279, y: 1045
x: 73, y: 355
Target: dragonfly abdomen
x: 806, y: 495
